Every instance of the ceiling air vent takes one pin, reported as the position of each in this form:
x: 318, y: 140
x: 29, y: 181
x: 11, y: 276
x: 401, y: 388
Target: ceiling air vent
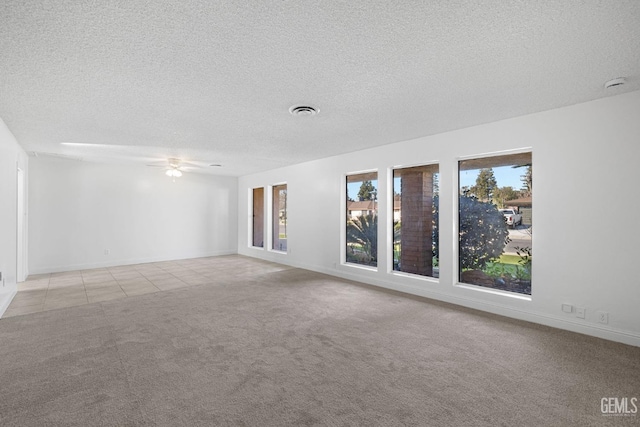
x: 615, y: 82
x: 303, y: 110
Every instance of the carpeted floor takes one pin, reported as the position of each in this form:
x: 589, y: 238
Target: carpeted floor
x: 268, y: 345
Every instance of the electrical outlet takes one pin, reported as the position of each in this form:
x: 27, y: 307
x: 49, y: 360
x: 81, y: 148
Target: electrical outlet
x: 603, y: 317
x: 107, y: 251
x: 580, y: 312
x: 567, y: 308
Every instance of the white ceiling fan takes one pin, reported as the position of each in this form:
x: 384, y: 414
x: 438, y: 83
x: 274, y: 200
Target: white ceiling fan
x: 174, y: 166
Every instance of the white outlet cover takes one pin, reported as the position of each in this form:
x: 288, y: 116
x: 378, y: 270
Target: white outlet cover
x: 603, y: 317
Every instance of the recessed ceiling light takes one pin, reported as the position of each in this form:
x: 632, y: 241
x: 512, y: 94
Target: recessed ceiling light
x: 615, y: 82
x: 303, y: 110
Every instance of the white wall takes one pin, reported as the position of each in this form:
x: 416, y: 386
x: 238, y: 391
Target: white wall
x: 80, y: 209
x: 586, y: 212
x: 12, y: 157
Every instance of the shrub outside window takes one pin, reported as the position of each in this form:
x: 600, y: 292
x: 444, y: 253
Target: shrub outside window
x: 495, y: 227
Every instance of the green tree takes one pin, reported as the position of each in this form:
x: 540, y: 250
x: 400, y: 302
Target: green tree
x: 436, y: 184
x: 486, y: 184
x: 367, y: 191
x: 502, y: 194
x: 527, y: 182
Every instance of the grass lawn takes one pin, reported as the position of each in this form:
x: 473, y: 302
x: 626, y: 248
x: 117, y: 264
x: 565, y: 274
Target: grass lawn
x: 509, y: 259
x: 506, y: 264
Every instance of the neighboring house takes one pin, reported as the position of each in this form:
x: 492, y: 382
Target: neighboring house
x: 359, y: 208
x: 366, y: 207
x: 524, y: 207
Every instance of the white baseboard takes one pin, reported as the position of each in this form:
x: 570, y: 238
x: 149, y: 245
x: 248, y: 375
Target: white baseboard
x: 6, y: 296
x: 118, y: 262
x: 599, y: 331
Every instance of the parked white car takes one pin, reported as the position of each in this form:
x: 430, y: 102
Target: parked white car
x: 512, y: 217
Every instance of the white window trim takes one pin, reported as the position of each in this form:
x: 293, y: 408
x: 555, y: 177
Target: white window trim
x: 269, y: 215
x: 250, y: 227
x: 389, y: 230
x: 343, y: 220
x: 456, y: 226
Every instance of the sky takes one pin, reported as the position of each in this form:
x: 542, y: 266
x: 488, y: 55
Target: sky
x: 506, y: 176
x: 354, y: 187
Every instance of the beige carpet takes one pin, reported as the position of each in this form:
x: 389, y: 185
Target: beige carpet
x: 267, y: 345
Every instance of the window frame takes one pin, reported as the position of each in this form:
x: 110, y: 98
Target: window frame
x: 272, y: 218
x: 390, y: 220
x: 343, y: 218
x: 456, y: 225
x: 252, y: 220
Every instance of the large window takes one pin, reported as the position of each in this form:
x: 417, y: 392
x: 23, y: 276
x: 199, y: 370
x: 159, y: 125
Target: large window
x: 362, y: 219
x: 415, y: 220
x: 495, y: 206
x: 279, y: 217
x: 258, y: 218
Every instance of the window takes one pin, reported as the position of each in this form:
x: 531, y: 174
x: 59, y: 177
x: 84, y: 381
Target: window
x: 415, y: 220
x: 362, y: 219
x: 258, y: 218
x: 495, y: 208
x: 279, y: 219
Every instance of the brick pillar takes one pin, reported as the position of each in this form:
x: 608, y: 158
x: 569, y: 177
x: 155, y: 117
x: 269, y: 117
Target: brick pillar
x: 417, y: 226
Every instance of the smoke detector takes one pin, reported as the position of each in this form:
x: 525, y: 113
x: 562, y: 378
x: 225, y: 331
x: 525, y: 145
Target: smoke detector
x: 615, y: 82
x: 303, y: 110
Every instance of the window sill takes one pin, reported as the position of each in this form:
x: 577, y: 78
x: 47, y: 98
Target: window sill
x: 508, y: 294
x: 429, y: 279
x: 276, y: 251
x: 358, y: 266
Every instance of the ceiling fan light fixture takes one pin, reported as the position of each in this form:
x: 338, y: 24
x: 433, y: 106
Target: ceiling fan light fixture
x: 303, y: 110
x: 173, y: 173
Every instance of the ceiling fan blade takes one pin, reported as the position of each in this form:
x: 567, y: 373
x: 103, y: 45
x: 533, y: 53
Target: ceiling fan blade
x: 176, y: 163
x: 189, y: 164
x: 62, y: 156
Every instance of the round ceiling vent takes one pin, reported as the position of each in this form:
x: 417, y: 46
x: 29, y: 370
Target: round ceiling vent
x: 615, y: 82
x: 303, y: 110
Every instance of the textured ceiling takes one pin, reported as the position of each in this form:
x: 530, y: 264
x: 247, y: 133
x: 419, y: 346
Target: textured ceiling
x: 212, y: 82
